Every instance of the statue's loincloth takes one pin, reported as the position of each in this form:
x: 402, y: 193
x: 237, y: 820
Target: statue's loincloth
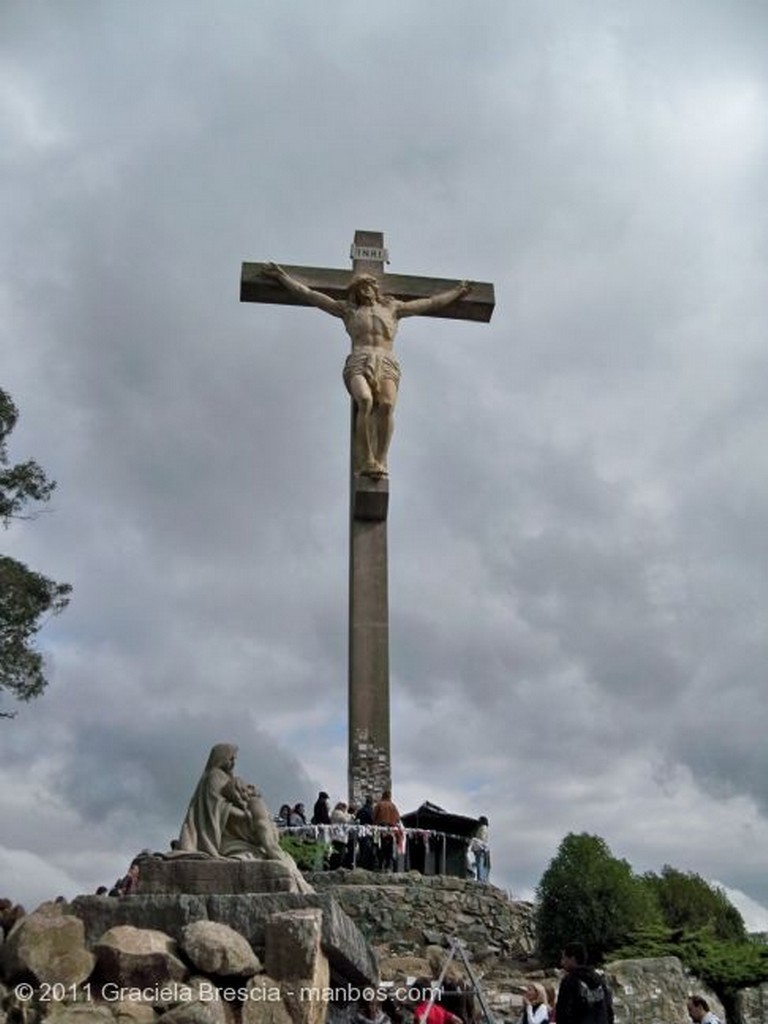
x: 374, y: 365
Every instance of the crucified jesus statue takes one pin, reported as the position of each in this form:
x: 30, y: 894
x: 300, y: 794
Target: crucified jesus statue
x: 371, y: 371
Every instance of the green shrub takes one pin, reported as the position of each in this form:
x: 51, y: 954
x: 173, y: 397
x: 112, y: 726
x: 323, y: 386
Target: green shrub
x: 308, y: 853
x: 687, y: 901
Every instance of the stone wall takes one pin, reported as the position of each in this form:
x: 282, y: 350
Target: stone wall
x: 408, y: 912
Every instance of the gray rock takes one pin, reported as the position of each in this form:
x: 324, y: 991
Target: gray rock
x: 654, y: 991
x: 218, y: 949
x: 50, y: 947
x: 293, y: 943
x: 138, y: 957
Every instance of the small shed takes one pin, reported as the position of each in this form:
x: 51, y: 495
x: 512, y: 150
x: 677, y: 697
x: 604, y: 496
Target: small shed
x: 437, y: 844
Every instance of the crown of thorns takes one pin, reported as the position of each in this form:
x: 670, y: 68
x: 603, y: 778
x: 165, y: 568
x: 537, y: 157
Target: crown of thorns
x: 361, y: 279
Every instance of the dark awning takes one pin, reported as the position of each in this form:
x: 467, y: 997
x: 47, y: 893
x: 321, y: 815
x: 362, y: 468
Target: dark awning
x: 430, y: 816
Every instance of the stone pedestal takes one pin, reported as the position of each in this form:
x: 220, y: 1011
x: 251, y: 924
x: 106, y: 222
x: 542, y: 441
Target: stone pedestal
x: 210, y: 875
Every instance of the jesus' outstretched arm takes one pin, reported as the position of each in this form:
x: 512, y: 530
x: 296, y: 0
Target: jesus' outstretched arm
x: 418, y: 307
x: 319, y: 299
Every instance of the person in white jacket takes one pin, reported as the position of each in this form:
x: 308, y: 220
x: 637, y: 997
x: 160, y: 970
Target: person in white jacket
x: 535, y: 1008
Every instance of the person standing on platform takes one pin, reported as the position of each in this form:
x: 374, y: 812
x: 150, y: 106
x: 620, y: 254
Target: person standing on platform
x: 386, y: 814
x: 321, y: 812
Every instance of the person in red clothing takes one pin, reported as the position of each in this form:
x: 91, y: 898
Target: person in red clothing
x: 437, y: 1014
x: 385, y: 813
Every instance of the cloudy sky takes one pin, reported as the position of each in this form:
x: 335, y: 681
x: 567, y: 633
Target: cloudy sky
x: 578, y: 553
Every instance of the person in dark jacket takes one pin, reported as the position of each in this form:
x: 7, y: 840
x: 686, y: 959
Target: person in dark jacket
x: 584, y: 996
x: 365, y: 815
x: 366, y: 853
x: 321, y: 813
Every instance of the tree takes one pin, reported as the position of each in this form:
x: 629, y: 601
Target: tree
x: 25, y: 596
x: 688, y: 901
x: 588, y: 895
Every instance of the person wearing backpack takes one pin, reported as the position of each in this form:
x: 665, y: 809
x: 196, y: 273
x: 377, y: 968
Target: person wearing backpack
x: 584, y: 996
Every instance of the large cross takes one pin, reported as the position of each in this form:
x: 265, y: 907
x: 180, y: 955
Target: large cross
x: 369, y: 764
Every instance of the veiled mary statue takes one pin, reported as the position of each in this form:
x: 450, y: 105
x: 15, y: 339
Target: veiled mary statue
x: 227, y: 817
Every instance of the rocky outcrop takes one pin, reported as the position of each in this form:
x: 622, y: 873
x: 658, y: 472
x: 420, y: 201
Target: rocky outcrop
x: 204, y: 972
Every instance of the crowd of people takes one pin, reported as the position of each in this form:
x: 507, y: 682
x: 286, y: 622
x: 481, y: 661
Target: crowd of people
x: 378, y: 836
x: 360, y: 847
x: 126, y: 885
x: 582, y: 997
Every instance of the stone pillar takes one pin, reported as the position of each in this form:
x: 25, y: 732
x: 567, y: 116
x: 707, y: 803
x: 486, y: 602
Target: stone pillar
x: 369, y: 765
x: 369, y: 750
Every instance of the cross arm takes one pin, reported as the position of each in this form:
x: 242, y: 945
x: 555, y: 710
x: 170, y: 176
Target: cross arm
x: 477, y: 304
x: 257, y: 286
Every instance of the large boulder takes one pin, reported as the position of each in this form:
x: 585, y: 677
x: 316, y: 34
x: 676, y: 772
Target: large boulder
x: 49, y: 947
x: 138, y: 957
x: 218, y: 949
x: 654, y: 989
